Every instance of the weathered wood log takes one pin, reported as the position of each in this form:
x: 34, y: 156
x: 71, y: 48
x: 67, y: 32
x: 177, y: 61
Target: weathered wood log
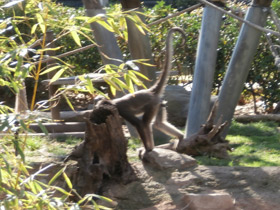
x: 102, y: 153
x: 207, y: 141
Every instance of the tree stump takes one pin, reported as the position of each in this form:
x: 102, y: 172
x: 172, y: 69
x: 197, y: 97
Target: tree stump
x: 102, y: 154
x: 207, y: 141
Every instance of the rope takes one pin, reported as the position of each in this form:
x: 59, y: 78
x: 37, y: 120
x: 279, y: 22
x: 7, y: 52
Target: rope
x: 66, y: 54
x: 189, y: 9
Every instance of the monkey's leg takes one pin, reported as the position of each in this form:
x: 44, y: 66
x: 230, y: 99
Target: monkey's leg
x: 163, y: 125
x: 141, y: 129
x: 148, y: 117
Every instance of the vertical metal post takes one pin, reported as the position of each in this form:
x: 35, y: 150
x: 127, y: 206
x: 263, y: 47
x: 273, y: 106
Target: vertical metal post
x: 241, y: 60
x: 55, y: 111
x: 199, y: 106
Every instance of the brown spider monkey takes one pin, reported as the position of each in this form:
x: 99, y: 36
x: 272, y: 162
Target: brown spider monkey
x: 148, y: 103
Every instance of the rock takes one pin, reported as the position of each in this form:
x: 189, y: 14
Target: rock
x: 163, y: 206
x: 164, y: 159
x: 213, y: 201
x: 177, y: 104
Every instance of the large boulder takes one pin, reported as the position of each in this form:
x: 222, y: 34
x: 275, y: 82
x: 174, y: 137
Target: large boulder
x: 178, y: 99
x: 177, y: 104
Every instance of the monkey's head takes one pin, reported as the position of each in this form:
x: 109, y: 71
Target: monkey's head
x: 104, y: 102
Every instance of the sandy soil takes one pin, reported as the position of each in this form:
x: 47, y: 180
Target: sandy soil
x: 250, y: 188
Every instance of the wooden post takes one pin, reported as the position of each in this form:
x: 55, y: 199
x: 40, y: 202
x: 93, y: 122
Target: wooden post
x: 55, y: 111
x: 139, y: 44
x: 21, y: 101
x: 199, y: 106
x: 241, y: 60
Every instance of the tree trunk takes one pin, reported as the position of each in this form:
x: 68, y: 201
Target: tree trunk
x: 205, y: 64
x: 139, y: 43
x: 241, y: 60
x: 102, y: 153
x: 107, y: 44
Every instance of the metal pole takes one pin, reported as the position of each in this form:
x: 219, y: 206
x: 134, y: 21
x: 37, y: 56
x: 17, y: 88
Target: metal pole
x: 199, y: 106
x: 241, y: 60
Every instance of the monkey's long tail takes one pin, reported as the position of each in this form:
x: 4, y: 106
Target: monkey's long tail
x: 159, y: 86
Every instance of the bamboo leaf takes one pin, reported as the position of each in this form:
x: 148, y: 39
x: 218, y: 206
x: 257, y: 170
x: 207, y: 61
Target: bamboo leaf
x: 39, y: 18
x: 109, y: 69
x: 89, y: 85
x: 68, y: 182
x: 140, y: 28
x: 43, y: 128
x: 142, y: 61
x: 41, y: 22
x: 120, y: 83
x: 134, y: 78
x: 48, y: 49
x: 92, y: 19
x: 141, y: 75
x: 34, y: 27
x: 112, y: 83
x: 102, y: 198
x: 105, y: 25
x: 57, y: 75
x: 48, y: 70
x: 95, y: 205
x: 69, y: 102
x: 112, y: 88
x: 42, y: 27
x: 83, y: 34
x: 19, y: 150
x: 122, y: 23
x: 62, y: 190
x: 16, y: 29
x: 129, y: 83
x: 84, y: 18
x: 76, y: 38
x: 56, y: 175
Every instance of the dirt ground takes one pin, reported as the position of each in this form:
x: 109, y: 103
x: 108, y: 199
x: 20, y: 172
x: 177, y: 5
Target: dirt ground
x: 250, y: 188
x: 157, y: 189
